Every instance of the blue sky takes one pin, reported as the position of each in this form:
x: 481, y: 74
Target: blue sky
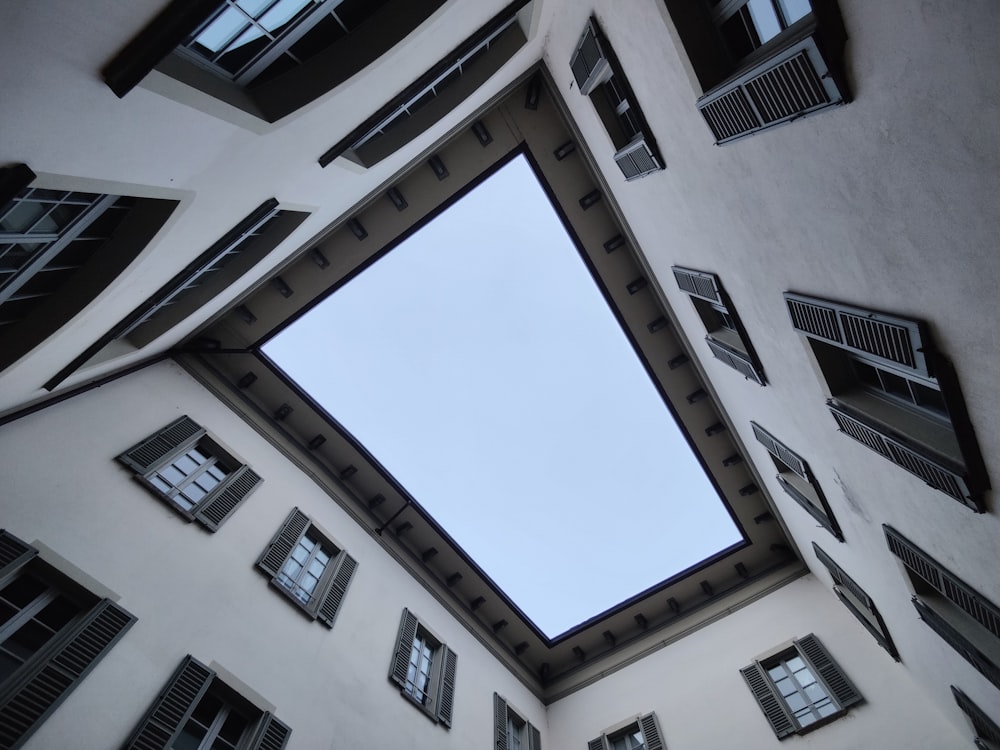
x: 480, y: 364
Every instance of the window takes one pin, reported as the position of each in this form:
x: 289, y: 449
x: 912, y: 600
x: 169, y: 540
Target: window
x: 642, y: 734
x: 727, y: 339
x: 800, y: 688
x: 964, y: 618
x: 310, y: 569
x: 797, y: 480
x: 987, y: 731
x: 512, y: 731
x: 266, y: 57
x: 424, y: 668
x: 182, y: 465
x: 856, y: 600
x: 893, y: 392
x: 598, y: 75
x: 198, y: 711
x: 52, y: 634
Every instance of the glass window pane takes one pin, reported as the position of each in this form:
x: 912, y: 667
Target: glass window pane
x: 282, y: 12
x: 765, y: 19
x: 222, y: 30
x: 793, y: 10
x: 254, y: 7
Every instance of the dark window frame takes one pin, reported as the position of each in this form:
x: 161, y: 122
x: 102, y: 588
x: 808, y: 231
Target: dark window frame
x: 646, y: 724
x: 439, y: 705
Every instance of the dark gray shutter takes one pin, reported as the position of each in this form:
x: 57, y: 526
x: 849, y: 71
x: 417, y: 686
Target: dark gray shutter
x: 271, y: 734
x: 985, y: 727
x: 768, y: 699
x: 826, y: 668
x: 446, y: 696
x: 736, y: 359
x: 404, y: 645
x: 226, y: 498
x: 898, y: 342
x: 637, y: 159
x: 500, y: 722
x: 596, y: 744
x: 954, y: 638
x: 534, y: 738
x: 781, y: 451
x: 698, y: 283
x: 172, y: 707
x: 14, y: 179
x: 13, y: 554
x: 272, y: 559
x: 841, y: 578
x: 328, y: 608
x: 77, y: 649
x: 589, y: 64
x: 651, y: 732
x: 157, y: 449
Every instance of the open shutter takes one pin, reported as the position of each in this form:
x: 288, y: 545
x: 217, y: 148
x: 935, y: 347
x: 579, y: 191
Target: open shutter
x: 534, y: 738
x: 172, y: 707
x: 446, y: 697
x: 404, y: 645
x: 589, y: 62
x: 35, y: 695
x: 841, y: 578
x: 736, y: 359
x: 273, y: 558
x: 986, y: 728
x: 156, y: 449
x: 651, y: 732
x: 13, y: 554
x: 781, y: 451
x: 500, y: 722
x: 346, y: 565
x: 826, y: 668
x: 770, y: 703
x: 271, y: 734
x: 637, y: 159
x: 227, y: 497
x: 698, y: 283
x: 954, y: 638
x: 596, y: 744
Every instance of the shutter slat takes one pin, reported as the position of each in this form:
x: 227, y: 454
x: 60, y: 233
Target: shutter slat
x: 589, y: 64
x: 228, y: 497
x: 841, y: 578
x: 282, y: 544
x: 913, y: 557
x: 985, y: 727
x: 826, y: 668
x: 651, y: 732
x: 954, y: 638
x: 152, y: 451
x: 173, y: 706
x: 768, y: 700
x: 736, y: 360
x: 13, y: 554
x: 346, y: 565
x: 500, y: 722
x: 404, y: 644
x: 596, y: 743
x: 446, y: 702
x: 698, y: 283
x: 272, y: 734
x: 637, y: 159
x: 781, y: 451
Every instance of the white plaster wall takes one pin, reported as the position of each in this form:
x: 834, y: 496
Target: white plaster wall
x: 702, y: 701
x: 199, y: 593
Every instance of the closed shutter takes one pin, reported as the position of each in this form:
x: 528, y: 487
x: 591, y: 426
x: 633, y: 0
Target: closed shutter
x: 272, y: 734
x: 782, y: 452
x: 165, y: 444
x: 637, y: 159
x: 534, y: 738
x: 500, y: 722
x: 328, y: 608
x: 954, y: 638
x: 698, y: 283
x: 13, y: 554
x: 404, y: 645
x: 770, y: 703
x: 226, y: 498
x: 596, y: 744
x: 651, y: 732
x: 35, y: 695
x: 589, y: 63
x: 273, y: 558
x: 841, y: 688
x: 172, y: 707
x: 446, y: 698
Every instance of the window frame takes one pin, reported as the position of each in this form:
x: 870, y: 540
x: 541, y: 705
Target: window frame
x: 330, y: 590
x: 646, y: 724
x: 147, y: 457
x: 47, y: 677
x: 503, y: 716
x: 441, y: 691
x: 179, y: 698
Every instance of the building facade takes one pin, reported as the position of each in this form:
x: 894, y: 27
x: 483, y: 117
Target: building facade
x: 789, y: 206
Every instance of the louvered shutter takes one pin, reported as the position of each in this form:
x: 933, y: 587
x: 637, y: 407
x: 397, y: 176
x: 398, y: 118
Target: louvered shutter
x: 769, y: 701
x: 781, y: 451
x: 651, y: 732
x: 698, y: 283
x: 271, y: 734
x: 985, y: 727
x: 589, y: 63
x: 841, y: 578
x: 736, y: 359
x: 13, y: 554
x: 282, y: 543
x: 14, y: 179
x: 826, y: 668
x: 446, y: 695
x: 76, y: 650
x: 157, y: 449
x: 172, y: 707
x: 897, y: 342
x: 404, y: 645
x: 637, y: 159
x: 227, y: 497
x: 596, y: 744
x: 500, y: 722
x: 534, y: 738
x: 341, y: 579
x: 957, y: 640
